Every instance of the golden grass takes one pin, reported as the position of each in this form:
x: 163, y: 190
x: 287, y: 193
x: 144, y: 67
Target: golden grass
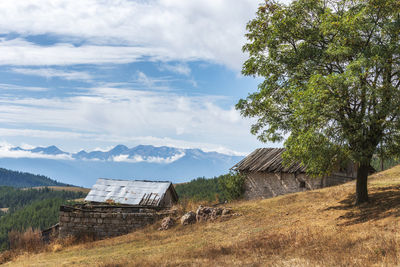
x: 318, y: 228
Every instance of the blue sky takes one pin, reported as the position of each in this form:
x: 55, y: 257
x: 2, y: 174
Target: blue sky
x: 92, y: 74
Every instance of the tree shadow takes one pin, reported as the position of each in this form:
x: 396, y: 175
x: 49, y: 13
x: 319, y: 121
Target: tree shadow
x: 383, y: 202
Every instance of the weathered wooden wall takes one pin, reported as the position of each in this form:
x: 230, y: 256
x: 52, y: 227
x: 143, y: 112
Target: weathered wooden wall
x: 105, y: 222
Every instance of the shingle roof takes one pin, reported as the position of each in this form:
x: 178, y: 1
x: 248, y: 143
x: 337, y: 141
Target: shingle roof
x: 267, y: 160
x: 144, y: 193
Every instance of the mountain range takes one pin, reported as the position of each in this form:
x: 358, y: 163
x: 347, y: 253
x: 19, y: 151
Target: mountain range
x: 121, y: 162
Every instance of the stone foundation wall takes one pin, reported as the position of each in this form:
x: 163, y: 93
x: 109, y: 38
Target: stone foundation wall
x: 103, y: 222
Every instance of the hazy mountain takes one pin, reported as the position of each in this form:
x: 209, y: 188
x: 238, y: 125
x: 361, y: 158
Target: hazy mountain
x: 51, y: 150
x: 140, y: 162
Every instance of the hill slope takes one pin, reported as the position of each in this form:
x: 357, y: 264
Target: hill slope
x: 24, y: 179
x: 319, y: 227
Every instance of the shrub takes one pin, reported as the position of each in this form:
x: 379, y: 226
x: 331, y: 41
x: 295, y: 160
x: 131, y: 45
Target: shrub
x: 232, y: 184
x: 30, y: 240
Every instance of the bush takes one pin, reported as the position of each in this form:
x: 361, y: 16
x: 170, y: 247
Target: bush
x: 29, y: 241
x: 232, y: 185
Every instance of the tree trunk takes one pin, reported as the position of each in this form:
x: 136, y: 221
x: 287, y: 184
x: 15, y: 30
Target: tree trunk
x: 362, y: 185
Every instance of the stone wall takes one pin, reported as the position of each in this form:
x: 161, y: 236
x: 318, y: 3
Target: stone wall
x: 336, y: 179
x: 267, y: 185
x: 105, y: 221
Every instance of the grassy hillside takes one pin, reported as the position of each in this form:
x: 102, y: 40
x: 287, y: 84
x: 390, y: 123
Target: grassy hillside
x: 24, y: 179
x: 319, y: 227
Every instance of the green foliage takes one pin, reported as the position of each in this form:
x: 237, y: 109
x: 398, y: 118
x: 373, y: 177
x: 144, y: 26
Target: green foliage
x: 331, y: 72
x: 387, y: 163
x: 221, y: 188
x: 24, y: 179
x: 201, y: 189
x: 232, y: 185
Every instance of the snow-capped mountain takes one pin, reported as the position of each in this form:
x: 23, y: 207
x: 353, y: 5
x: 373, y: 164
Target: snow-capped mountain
x: 140, y: 162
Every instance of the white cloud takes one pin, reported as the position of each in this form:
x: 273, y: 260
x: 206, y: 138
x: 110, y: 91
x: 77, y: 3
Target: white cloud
x: 137, y: 158
x: 226, y: 151
x: 20, y: 52
x: 176, y: 68
x: 54, y: 73
x: 13, y: 87
x: 211, y: 30
x: 151, y: 82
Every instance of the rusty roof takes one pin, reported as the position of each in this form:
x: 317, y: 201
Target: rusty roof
x: 267, y: 160
x: 144, y: 193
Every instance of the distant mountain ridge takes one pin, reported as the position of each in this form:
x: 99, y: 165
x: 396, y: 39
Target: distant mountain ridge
x: 51, y: 150
x: 120, y: 162
x: 145, y: 152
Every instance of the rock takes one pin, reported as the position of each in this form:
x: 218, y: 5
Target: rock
x: 188, y: 218
x: 226, y: 211
x: 204, y: 210
x: 167, y: 223
x: 216, y: 212
x: 203, y: 213
x: 199, y: 210
x: 208, y: 213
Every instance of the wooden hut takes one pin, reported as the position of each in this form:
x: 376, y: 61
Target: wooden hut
x: 266, y: 176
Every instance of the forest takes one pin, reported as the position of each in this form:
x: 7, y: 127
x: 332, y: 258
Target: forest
x: 30, y: 208
x: 217, y: 189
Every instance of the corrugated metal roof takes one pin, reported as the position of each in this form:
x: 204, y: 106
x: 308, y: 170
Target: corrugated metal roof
x: 146, y: 193
x: 267, y: 160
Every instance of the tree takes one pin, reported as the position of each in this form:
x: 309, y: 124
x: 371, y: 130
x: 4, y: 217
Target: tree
x: 331, y: 80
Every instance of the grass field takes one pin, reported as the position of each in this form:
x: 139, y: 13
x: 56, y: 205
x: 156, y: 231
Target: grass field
x: 318, y: 228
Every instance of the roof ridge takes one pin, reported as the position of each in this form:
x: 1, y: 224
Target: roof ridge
x: 150, y: 181
x: 267, y: 160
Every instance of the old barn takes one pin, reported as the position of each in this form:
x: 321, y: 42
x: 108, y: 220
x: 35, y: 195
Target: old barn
x: 141, y: 193
x: 266, y: 176
x: 117, y: 207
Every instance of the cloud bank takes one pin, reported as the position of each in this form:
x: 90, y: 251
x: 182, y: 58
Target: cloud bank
x: 123, y: 115
x: 108, y: 31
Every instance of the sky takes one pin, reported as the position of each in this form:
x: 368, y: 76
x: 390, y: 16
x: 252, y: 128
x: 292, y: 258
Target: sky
x: 96, y: 73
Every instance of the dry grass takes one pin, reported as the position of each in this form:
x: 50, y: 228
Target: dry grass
x: 318, y: 228
x: 29, y: 241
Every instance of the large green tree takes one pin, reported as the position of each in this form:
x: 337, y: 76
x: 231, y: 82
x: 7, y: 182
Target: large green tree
x: 331, y: 78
